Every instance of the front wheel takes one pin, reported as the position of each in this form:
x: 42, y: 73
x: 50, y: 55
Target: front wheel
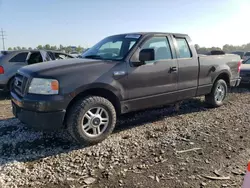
x: 218, y: 94
x: 11, y: 84
x: 91, y: 120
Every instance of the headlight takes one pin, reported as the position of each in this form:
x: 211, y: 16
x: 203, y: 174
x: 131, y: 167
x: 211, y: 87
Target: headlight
x: 44, y: 86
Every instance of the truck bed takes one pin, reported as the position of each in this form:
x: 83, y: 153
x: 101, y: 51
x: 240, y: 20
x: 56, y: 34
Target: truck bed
x: 211, y: 65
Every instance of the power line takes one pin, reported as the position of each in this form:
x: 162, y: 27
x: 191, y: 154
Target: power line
x: 3, y: 37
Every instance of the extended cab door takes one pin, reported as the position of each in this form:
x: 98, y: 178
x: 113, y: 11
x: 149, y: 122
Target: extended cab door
x: 155, y: 82
x: 188, y: 67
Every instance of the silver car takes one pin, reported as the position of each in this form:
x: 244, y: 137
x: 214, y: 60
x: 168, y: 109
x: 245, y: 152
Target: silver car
x: 11, y: 61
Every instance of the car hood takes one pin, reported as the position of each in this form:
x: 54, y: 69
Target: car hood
x: 60, y: 66
x: 245, y: 67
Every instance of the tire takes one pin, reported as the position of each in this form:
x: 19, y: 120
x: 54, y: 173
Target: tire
x: 218, y: 94
x: 10, y: 84
x: 83, y: 119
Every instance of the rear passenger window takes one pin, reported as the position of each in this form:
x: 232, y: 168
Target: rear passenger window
x: 21, y: 57
x: 183, y: 48
x: 161, y: 47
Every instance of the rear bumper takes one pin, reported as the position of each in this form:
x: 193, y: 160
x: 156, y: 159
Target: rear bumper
x: 235, y: 82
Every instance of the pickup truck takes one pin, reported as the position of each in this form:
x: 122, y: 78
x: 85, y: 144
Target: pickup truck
x: 120, y: 74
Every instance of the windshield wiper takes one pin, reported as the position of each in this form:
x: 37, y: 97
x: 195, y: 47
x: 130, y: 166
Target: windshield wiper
x: 92, y: 56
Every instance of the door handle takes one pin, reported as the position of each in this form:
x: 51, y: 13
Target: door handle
x: 173, y: 69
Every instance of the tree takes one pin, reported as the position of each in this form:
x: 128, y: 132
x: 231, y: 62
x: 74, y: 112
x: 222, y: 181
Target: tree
x: 79, y: 49
x: 61, y: 47
x: 47, y: 47
x: 23, y: 48
x: 9, y: 48
x: 39, y: 47
x: 29, y: 48
x: 53, y: 48
x: 197, y: 47
x: 68, y: 49
x: 18, y: 48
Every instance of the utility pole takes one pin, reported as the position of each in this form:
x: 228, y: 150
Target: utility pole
x: 2, y: 34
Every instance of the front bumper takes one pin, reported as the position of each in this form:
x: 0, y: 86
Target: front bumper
x: 235, y: 82
x: 44, y: 115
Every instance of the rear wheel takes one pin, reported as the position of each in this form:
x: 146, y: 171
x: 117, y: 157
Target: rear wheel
x: 91, y: 120
x: 218, y: 94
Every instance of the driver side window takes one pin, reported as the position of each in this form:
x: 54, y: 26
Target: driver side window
x: 161, y: 48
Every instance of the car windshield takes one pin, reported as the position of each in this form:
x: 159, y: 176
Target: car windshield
x: 112, y: 48
x: 247, y: 54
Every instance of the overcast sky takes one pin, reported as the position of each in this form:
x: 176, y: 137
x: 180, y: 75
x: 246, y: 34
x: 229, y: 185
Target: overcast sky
x: 29, y: 23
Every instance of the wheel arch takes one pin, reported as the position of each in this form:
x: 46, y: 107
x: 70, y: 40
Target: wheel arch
x: 105, y: 92
x: 224, y: 75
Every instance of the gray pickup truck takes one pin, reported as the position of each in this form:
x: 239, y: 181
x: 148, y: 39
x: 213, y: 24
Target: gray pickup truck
x: 11, y: 61
x: 120, y: 74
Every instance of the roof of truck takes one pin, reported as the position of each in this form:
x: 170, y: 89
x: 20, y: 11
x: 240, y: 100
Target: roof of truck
x: 152, y: 33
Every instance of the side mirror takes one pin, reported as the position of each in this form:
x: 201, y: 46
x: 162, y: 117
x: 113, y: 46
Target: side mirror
x: 147, y: 55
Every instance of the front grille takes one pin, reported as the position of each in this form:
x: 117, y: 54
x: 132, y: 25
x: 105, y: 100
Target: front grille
x: 20, y: 84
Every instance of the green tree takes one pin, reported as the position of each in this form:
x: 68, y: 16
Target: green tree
x: 39, y: 47
x: 18, y: 48
x: 29, y: 48
x: 61, y: 47
x: 24, y: 48
x: 53, y: 48
x: 47, y: 47
x: 9, y: 48
x: 68, y: 49
x: 79, y: 49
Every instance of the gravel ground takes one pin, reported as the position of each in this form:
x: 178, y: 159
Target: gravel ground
x: 146, y: 150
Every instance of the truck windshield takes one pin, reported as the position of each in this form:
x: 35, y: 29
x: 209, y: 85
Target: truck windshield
x: 112, y: 48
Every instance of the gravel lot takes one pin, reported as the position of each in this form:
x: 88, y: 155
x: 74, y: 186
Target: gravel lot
x: 145, y: 150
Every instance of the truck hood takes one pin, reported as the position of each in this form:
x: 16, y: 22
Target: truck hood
x: 245, y: 67
x: 60, y: 66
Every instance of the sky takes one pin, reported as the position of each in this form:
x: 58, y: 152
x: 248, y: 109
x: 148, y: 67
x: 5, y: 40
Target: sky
x: 29, y: 23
